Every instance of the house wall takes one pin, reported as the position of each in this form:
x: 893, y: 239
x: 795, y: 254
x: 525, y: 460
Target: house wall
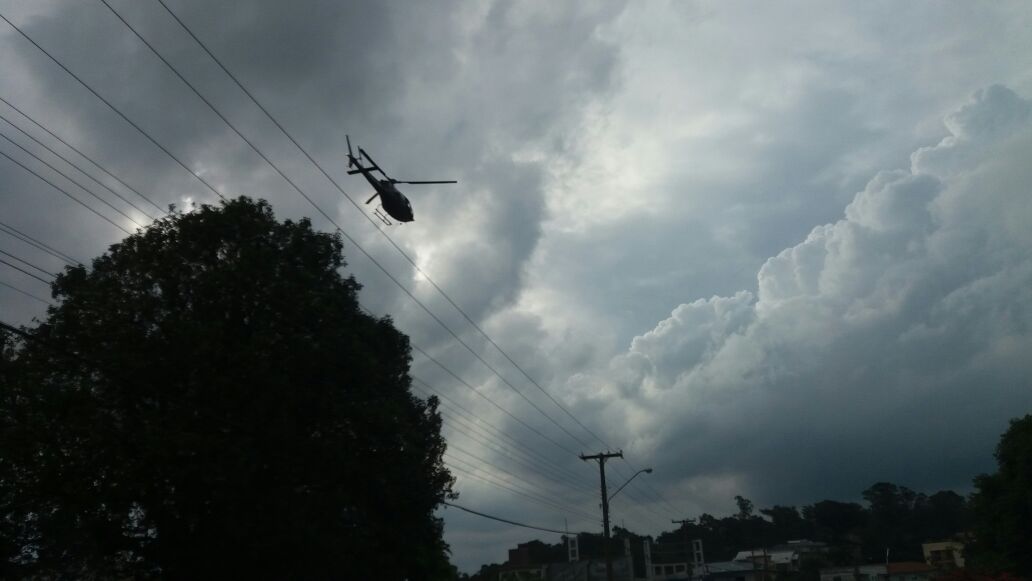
x: 944, y: 554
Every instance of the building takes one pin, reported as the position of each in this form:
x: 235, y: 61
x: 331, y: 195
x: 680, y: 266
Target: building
x: 784, y: 558
x: 944, y: 555
x: 905, y: 571
x: 670, y: 571
x: 532, y: 554
x: 734, y: 571
x: 781, y: 561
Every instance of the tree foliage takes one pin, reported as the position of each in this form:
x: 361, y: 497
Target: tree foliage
x: 1003, y: 506
x: 208, y: 400
x: 850, y: 530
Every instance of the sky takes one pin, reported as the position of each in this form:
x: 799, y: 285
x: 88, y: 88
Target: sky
x: 776, y: 250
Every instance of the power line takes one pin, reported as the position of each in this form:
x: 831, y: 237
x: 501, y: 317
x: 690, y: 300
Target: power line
x: 65, y: 192
x: 29, y: 240
x: 475, y: 423
x: 647, y: 485
x: 27, y: 263
x: 525, y: 490
x: 488, y: 426
x: 26, y: 293
x: 464, y: 451
x: 112, y: 107
x: 382, y: 232
x: 83, y: 155
x: 496, y: 481
x: 481, y: 459
x: 501, y: 484
x: 504, y: 520
x: 530, y: 428
x: 82, y: 171
x: 65, y: 176
x: 452, y: 446
x: 25, y: 272
x: 24, y: 335
x: 258, y: 151
x: 327, y: 216
x: 304, y: 195
x: 497, y: 447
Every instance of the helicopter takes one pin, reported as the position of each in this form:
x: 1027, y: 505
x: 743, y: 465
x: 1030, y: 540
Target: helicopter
x: 392, y: 202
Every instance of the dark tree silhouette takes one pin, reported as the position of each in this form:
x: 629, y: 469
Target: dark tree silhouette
x: 745, y: 507
x: 893, y: 523
x: 208, y: 400
x: 1002, y: 506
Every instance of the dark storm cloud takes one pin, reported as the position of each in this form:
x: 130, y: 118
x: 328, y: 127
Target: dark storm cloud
x: 887, y: 346
x: 614, y: 164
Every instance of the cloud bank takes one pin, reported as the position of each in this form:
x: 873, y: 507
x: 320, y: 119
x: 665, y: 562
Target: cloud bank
x: 890, y: 345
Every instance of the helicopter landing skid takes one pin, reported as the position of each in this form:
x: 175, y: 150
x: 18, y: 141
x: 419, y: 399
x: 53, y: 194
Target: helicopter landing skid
x: 378, y: 212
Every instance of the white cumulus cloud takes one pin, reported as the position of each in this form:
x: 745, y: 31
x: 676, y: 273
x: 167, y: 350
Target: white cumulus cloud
x: 890, y: 345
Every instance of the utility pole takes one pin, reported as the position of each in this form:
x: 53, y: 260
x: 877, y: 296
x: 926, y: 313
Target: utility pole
x: 601, y: 457
x: 687, y: 543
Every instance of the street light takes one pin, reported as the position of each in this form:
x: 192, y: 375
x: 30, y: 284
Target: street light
x: 645, y: 470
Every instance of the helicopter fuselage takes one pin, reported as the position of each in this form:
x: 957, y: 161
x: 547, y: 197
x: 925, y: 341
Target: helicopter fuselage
x: 392, y: 200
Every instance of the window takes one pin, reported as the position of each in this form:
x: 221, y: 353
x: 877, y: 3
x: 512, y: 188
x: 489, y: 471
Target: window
x: 679, y: 568
x: 668, y: 569
x: 658, y: 569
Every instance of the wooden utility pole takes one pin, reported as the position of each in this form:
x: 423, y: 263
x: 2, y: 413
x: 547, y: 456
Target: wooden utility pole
x: 687, y: 543
x: 601, y: 457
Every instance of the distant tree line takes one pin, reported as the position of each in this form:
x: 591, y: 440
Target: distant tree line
x: 995, y: 522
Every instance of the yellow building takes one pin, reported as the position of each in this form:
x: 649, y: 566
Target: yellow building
x: 944, y: 554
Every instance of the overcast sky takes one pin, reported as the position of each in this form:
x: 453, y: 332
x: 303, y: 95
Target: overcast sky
x: 781, y: 250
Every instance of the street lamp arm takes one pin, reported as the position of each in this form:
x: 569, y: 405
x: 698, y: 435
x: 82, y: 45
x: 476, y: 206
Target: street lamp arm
x: 645, y: 470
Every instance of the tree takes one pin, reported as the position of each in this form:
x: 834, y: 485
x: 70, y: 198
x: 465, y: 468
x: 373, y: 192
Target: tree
x: 945, y: 515
x: 786, y: 523
x: 208, y: 400
x: 1002, y: 506
x: 892, y: 522
x: 745, y: 507
x: 839, y: 524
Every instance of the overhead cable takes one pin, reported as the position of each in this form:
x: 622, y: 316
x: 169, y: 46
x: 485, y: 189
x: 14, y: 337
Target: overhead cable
x: 65, y: 192
x: 382, y: 232
x: 26, y: 293
x: 113, y: 108
x: 83, y: 155
x: 504, y: 520
x: 29, y: 240
x: 65, y: 176
x: 80, y: 170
